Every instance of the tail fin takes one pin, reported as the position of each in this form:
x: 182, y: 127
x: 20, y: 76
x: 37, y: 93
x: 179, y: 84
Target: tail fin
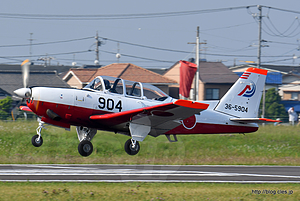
x: 243, y: 98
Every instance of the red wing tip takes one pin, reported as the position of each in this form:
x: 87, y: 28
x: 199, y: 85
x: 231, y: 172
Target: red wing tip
x: 269, y: 120
x: 191, y: 104
x: 25, y: 108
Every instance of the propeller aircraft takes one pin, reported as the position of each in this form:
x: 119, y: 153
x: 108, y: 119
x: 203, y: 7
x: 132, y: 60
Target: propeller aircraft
x: 138, y: 109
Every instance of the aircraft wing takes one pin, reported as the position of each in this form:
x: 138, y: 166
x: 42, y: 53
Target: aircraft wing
x: 159, y: 118
x: 25, y: 108
x: 253, y: 120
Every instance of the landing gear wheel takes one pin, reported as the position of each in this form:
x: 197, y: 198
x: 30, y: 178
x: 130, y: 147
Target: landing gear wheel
x: 36, y: 141
x: 130, y: 149
x: 85, y: 148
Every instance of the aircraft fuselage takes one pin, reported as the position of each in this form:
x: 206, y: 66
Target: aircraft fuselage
x: 74, y: 107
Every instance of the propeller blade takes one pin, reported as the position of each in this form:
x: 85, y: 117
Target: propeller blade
x: 25, y: 72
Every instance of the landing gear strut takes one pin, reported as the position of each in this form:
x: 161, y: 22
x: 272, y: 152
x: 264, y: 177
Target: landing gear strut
x: 85, y: 135
x: 37, y: 140
x: 132, y: 147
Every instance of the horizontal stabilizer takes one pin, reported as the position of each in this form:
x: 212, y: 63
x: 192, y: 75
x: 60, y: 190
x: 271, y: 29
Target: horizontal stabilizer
x: 25, y: 108
x: 253, y: 120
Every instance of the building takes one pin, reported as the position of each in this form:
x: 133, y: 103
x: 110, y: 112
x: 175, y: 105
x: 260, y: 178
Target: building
x: 78, y: 78
x: 12, y: 80
x: 215, y: 79
x: 37, y: 68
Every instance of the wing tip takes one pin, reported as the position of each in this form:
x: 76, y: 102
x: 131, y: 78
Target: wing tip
x: 25, y: 108
x: 191, y: 104
x: 269, y: 120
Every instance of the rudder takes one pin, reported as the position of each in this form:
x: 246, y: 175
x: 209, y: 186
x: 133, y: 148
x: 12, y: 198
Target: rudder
x: 243, y: 98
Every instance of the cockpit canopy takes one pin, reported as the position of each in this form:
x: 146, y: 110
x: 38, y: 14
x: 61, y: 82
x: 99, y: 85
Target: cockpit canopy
x: 126, y: 87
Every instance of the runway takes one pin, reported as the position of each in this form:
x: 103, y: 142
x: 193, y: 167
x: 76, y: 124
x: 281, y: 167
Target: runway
x: 150, y: 173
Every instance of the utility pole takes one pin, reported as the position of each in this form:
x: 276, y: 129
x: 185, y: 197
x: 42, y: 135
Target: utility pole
x: 259, y: 56
x: 98, y: 43
x: 259, y: 35
x: 196, y: 91
x: 197, y: 57
x: 30, y: 46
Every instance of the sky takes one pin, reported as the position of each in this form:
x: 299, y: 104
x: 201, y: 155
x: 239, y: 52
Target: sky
x: 150, y: 34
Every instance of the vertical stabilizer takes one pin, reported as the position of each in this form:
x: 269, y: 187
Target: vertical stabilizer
x: 243, y: 98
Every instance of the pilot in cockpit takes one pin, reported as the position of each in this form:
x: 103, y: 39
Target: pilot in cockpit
x: 97, y: 85
x: 106, y: 84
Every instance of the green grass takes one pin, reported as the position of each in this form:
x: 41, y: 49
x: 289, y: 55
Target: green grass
x: 268, y: 146
x: 148, y: 191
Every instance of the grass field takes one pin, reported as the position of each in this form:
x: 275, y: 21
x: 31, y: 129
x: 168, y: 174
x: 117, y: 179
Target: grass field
x: 148, y: 191
x: 268, y: 146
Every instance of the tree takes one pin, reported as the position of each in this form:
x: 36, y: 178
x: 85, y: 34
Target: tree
x: 273, y: 108
x: 5, y: 106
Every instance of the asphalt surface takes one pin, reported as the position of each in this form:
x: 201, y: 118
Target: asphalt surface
x: 150, y: 173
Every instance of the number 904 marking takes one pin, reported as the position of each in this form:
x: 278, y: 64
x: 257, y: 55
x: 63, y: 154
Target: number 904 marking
x: 109, y: 104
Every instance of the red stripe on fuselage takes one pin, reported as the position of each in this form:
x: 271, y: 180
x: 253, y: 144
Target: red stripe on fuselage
x: 79, y: 116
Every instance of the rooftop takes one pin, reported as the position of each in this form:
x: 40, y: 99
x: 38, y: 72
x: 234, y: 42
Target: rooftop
x: 126, y: 71
x: 12, y: 80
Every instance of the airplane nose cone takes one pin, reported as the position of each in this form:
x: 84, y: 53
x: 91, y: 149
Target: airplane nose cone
x: 23, y: 92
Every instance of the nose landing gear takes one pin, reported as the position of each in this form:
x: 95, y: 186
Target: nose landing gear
x: 37, y: 140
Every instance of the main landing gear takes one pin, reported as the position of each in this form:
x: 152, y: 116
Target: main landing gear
x: 132, y: 147
x: 85, y: 148
x: 85, y: 135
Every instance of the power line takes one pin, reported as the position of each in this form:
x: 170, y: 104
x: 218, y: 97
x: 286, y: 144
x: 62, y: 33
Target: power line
x: 47, y: 43
x: 283, y: 43
x: 171, y: 50
x: 275, y: 61
x: 275, y: 31
x: 40, y: 55
x: 283, y: 10
x: 282, y: 34
x: 128, y: 16
x: 144, y: 46
x: 115, y: 16
x: 137, y: 57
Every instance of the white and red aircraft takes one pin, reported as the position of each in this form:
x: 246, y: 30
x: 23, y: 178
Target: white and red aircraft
x: 138, y: 110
